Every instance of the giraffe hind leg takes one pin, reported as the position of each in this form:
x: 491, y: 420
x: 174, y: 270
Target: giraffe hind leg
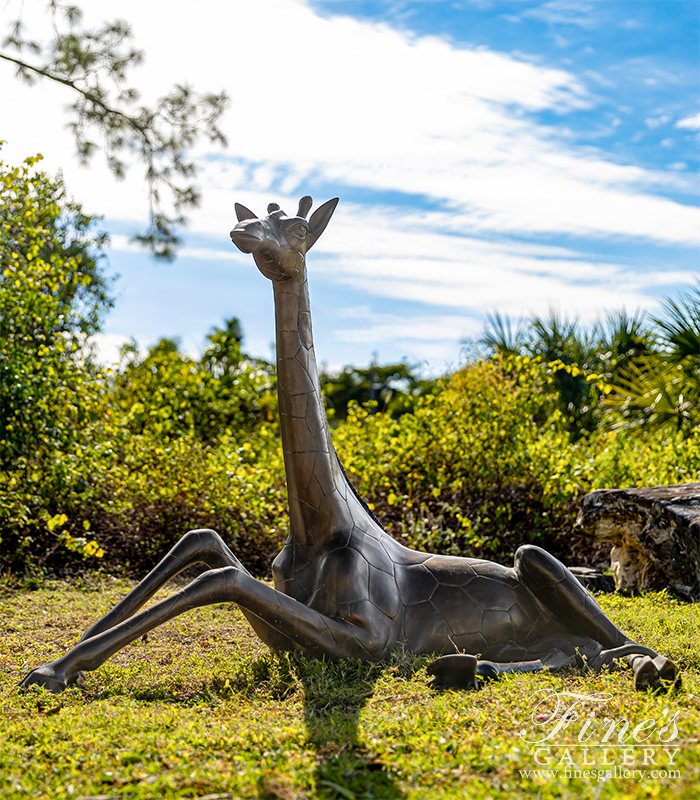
x: 566, y: 600
x: 576, y: 610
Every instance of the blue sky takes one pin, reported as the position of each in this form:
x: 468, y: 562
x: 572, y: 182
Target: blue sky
x: 638, y: 57
x: 510, y: 156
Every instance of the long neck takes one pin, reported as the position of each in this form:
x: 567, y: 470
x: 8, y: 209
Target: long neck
x: 315, y: 484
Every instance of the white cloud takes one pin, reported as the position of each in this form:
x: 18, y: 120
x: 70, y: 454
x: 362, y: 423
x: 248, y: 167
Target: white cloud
x: 412, y: 115
x: 354, y: 103
x: 565, y: 12
x: 599, y: 78
x: 428, y: 328
x: 550, y: 193
x: 106, y: 346
x: 630, y: 24
x: 691, y: 123
x: 656, y: 122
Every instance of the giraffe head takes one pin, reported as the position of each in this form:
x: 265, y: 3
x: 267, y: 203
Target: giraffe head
x: 279, y: 243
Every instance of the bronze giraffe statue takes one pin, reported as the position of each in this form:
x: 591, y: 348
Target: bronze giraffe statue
x: 343, y: 588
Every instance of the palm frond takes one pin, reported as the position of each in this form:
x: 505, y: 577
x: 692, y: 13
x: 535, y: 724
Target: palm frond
x: 653, y: 391
x: 501, y: 336
x: 679, y: 325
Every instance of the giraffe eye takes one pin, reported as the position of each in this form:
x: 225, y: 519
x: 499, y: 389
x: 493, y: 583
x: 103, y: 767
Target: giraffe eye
x: 299, y: 231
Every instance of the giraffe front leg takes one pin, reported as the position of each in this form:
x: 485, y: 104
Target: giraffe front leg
x: 199, y: 546
x: 309, y: 630
x: 211, y: 587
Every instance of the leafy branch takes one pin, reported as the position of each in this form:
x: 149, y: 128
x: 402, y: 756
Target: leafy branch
x: 94, y: 64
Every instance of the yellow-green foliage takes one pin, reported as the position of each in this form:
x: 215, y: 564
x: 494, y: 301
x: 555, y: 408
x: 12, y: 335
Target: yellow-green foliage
x: 170, y: 394
x: 51, y: 295
x: 488, y: 463
x: 114, y: 466
x: 140, y: 492
x: 459, y: 464
x: 479, y: 468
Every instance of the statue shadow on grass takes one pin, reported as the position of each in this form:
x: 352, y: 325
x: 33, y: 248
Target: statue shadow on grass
x: 335, y: 694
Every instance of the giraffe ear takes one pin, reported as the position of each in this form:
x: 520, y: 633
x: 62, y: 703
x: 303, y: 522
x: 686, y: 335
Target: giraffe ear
x: 304, y: 206
x: 319, y: 219
x: 244, y: 213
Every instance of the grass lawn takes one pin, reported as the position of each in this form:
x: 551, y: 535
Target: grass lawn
x: 203, y: 709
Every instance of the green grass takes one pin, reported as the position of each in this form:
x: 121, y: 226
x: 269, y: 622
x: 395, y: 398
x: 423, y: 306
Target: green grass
x: 202, y: 709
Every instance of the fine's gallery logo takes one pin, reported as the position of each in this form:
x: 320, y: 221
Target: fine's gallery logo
x: 575, y: 736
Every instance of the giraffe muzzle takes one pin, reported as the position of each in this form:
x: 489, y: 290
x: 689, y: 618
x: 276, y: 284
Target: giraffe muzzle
x: 247, y: 237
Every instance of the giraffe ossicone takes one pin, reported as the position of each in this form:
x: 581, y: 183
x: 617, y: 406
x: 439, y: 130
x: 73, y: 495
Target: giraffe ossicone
x: 343, y: 587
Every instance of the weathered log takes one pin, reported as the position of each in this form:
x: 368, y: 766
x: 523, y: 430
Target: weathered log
x: 655, y: 534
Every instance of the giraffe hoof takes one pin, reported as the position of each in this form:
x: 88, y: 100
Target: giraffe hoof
x: 77, y: 679
x: 454, y: 672
x: 669, y: 673
x: 646, y: 676
x: 656, y: 674
x: 45, y: 677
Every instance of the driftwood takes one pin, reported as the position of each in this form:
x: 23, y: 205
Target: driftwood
x: 655, y: 534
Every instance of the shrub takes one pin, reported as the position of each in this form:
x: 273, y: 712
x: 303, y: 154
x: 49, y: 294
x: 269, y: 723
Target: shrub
x: 489, y: 464
x: 52, y: 293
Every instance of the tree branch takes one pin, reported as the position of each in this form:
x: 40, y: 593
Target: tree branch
x: 159, y: 137
x: 87, y: 95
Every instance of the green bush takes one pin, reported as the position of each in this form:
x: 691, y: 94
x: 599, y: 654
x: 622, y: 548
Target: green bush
x: 457, y: 475
x: 481, y: 467
x: 112, y: 467
x: 137, y: 480
x: 170, y: 394
x: 489, y: 464
x: 52, y: 293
